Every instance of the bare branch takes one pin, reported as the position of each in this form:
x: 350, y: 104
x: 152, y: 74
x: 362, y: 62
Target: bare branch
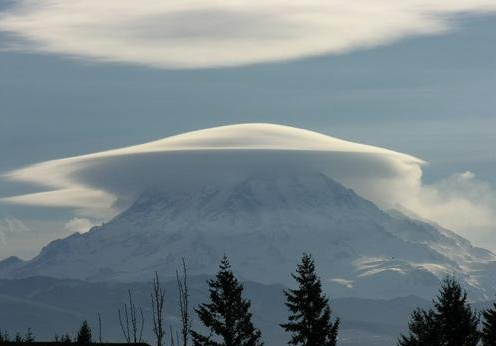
x: 130, y: 327
x: 182, y: 285
x: 142, y: 325
x: 126, y: 335
x: 158, y: 297
x: 99, y: 328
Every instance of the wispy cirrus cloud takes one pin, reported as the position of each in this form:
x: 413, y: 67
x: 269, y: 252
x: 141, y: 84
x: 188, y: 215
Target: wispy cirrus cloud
x: 11, y: 226
x: 196, y: 34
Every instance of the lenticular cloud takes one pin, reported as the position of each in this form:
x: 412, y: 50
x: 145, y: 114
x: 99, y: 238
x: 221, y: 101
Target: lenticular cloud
x: 101, y: 184
x: 109, y: 180
x: 193, y: 33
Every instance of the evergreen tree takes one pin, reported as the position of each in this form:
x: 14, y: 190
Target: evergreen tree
x: 4, y: 337
x: 227, y: 315
x: 423, y: 330
x: 18, y: 338
x: 489, y: 327
x: 451, y: 323
x: 84, y: 334
x: 29, y: 337
x: 310, y: 315
x: 66, y: 339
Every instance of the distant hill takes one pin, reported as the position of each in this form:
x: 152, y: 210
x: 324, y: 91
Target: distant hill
x: 50, y: 306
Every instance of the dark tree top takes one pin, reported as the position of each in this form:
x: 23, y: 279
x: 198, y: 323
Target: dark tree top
x: 309, y: 321
x: 489, y: 327
x: 227, y: 315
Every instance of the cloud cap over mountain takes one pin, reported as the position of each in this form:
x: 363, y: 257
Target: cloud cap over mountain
x: 101, y: 184
x: 99, y: 181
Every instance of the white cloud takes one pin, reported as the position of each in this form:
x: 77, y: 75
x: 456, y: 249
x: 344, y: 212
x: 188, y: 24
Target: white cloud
x: 461, y: 203
x: 11, y: 226
x: 195, y: 33
x: 101, y: 184
x: 77, y: 224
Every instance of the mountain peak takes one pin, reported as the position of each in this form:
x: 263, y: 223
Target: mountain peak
x: 264, y: 222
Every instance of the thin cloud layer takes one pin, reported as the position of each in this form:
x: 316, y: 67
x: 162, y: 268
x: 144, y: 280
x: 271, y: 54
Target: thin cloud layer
x: 11, y: 226
x: 196, y: 34
x: 101, y: 184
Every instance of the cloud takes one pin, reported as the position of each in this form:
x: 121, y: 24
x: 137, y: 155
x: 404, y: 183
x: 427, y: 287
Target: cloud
x: 194, y: 33
x: 101, y: 184
x: 11, y: 226
x: 462, y: 203
x: 80, y: 225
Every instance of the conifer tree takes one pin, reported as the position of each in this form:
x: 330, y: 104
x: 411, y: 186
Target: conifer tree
x: 423, y: 330
x: 4, y: 337
x: 29, y: 337
x: 18, y: 338
x: 66, y: 339
x: 227, y: 315
x: 310, y: 315
x: 489, y: 327
x: 451, y: 323
x: 84, y: 334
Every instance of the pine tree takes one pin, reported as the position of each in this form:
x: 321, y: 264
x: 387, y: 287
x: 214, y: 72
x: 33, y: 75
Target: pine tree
x: 489, y: 327
x: 18, y: 338
x: 451, y: 323
x: 423, y: 330
x: 29, y: 337
x: 84, y: 334
x: 66, y: 339
x: 227, y: 315
x: 310, y: 315
x: 4, y: 337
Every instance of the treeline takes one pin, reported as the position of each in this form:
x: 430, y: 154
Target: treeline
x: 227, y: 319
x: 451, y: 321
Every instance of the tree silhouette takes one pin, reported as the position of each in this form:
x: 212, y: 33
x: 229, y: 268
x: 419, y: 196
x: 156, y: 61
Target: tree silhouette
x: 182, y: 287
x: 451, y: 323
x: 131, y: 323
x: 158, y: 301
x: 227, y: 315
x: 489, y: 327
x: 84, y: 334
x: 310, y: 315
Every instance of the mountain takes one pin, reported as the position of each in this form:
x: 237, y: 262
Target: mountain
x: 264, y: 222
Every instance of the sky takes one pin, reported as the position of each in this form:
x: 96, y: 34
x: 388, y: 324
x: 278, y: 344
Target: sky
x: 416, y: 78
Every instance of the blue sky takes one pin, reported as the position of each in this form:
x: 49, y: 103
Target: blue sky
x: 432, y: 96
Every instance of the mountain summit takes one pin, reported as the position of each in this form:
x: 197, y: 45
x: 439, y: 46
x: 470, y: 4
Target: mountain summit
x: 262, y: 194
x: 264, y: 223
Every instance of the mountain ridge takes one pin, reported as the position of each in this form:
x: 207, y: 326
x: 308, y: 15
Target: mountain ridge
x: 264, y: 223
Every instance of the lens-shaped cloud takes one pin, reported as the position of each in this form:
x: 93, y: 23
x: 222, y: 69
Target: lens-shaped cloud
x: 101, y: 184
x: 106, y: 181
x: 194, y: 33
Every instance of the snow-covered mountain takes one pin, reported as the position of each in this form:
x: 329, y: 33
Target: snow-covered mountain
x: 264, y: 223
